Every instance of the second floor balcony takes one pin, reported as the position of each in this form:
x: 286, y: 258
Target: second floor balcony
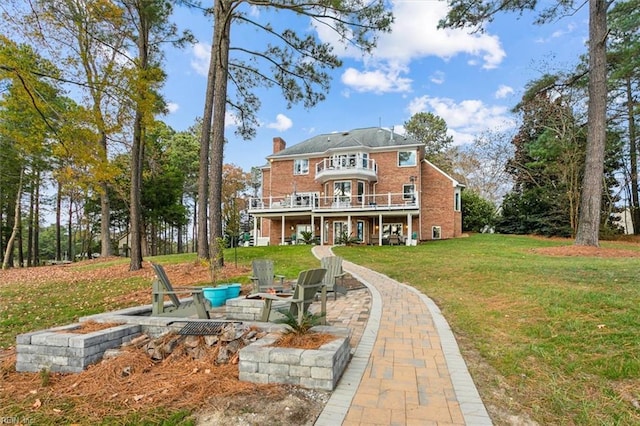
x: 354, y: 166
x: 311, y: 202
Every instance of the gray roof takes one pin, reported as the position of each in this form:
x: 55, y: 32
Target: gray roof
x: 371, y: 137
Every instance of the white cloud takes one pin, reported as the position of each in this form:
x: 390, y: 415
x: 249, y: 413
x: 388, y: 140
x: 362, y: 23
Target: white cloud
x: 377, y: 81
x: 172, y: 107
x: 281, y: 124
x: 201, y: 56
x: 254, y: 11
x: 570, y: 28
x: 465, y: 120
x: 414, y: 35
x: 503, y: 91
x: 437, y: 77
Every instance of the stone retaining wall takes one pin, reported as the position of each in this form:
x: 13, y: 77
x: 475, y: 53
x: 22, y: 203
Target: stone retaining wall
x: 60, y: 350
x: 312, y: 368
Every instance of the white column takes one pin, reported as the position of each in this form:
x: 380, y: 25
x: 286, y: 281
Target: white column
x: 380, y: 229
x: 282, y: 232
x: 409, y: 229
x: 255, y: 231
x: 321, y: 230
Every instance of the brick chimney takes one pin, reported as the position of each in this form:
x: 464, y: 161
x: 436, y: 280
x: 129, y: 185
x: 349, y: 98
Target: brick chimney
x: 278, y: 144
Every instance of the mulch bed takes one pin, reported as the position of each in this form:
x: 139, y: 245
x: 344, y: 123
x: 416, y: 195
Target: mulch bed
x: 130, y: 382
x: 584, y: 251
x: 304, y: 341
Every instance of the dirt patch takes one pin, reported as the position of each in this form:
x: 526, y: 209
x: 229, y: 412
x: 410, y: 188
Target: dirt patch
x: 587, y: 251
x: 284, y: 405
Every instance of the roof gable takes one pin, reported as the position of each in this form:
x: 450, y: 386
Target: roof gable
x: 453, y: 180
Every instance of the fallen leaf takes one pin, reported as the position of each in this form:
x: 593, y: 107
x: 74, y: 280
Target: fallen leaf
x: 37, y: 404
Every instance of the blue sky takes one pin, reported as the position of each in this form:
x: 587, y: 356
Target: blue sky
x: 470, y: 80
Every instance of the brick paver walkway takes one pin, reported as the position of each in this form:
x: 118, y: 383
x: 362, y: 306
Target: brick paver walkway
x: 406, y: 368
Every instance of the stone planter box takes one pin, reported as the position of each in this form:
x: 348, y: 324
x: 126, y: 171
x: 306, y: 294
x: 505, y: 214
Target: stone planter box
x: 60, y: 350
x: 311, y: 368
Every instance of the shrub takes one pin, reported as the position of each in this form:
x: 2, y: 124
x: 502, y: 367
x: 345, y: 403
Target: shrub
x: 477, y: 213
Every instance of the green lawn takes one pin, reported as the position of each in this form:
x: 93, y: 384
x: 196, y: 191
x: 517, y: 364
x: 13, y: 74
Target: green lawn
x: 553, y: 338
x: 48, y: 301
x: 557, y: 337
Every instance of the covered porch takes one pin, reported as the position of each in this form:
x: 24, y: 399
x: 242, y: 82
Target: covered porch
x: 371, y: 228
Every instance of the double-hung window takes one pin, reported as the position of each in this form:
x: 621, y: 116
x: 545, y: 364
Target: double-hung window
x: 408, y: 192
x: 301, y: 166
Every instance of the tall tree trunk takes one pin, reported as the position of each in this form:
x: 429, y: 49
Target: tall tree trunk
x: 88, y: 236
x: 153, y: 236
x: 16, y: 225
x: 70, y: 231
x: 105, y: 207
x: 202, y: 242
x: 194, y: 238
x: 180, y: 230
x: 105, y: 221
x: 19, y: 242
x: 137, y: 150
x: 222, y: 28
x: 591, y: 199
x: 58, y: 218
x: 633, y: 157
x: 36, y: 221
x: 135, y: 226
x: 29, y: 227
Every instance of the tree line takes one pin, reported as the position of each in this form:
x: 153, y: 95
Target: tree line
x: 80, y: 109
x: 81, y: 103
x: 571, y: 167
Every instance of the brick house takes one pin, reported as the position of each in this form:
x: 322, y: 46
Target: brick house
x: 370, y: 184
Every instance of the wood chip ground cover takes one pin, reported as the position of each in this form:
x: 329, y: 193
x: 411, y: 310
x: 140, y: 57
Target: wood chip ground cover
x: 133, y: 386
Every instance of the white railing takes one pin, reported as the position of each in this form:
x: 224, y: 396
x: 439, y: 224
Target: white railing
x: 354, y: 164
x: 395, y: 201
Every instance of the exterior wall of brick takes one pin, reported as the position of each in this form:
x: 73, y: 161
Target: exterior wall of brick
x: 436, y: 197
x: 437, y: 204
x: 281, y: 181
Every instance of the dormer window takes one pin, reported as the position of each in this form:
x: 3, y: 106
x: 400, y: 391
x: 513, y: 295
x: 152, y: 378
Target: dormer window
x: 301, y: 166
x: 406, y: 158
